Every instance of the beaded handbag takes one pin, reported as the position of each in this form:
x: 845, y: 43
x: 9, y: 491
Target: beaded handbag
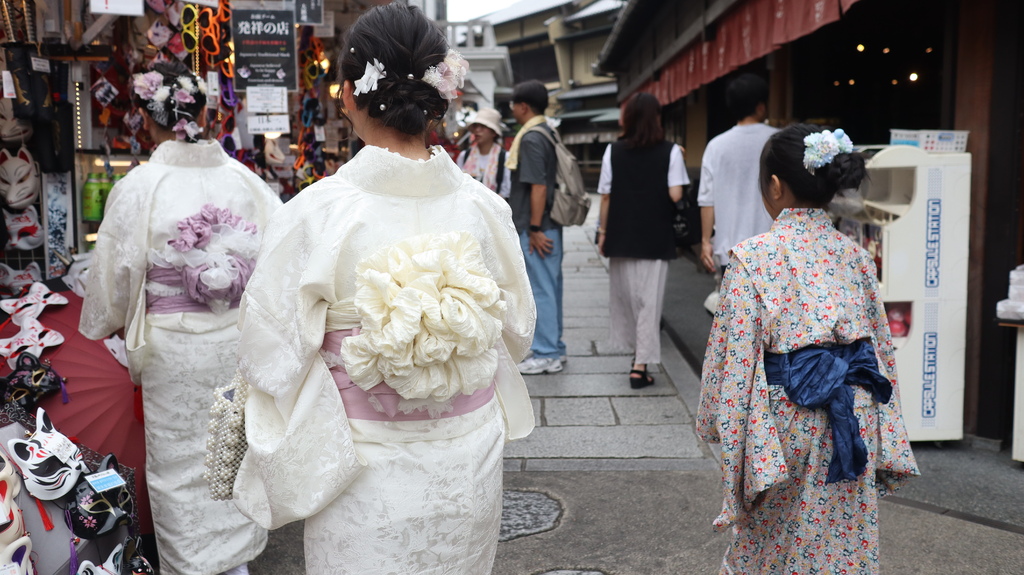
x: 227, y: 444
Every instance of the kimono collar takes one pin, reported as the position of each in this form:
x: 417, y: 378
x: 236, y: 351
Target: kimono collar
x: 802, y: 218
x: 204, y: 153
x: 380, y: 171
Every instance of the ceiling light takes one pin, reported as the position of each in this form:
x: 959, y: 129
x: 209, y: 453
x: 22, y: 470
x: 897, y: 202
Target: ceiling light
x: 860, y: 47
x: 885, y: 50
x: 852, y: 81
x: 913, y: 76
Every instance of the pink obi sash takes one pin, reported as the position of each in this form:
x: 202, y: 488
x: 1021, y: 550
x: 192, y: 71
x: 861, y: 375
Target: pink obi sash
x: 171, y: 277
x: 357, y: 402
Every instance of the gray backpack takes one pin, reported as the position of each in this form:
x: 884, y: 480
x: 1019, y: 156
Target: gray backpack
x: 571, y: 203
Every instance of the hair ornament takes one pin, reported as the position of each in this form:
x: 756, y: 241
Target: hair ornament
x: 449, y: 76
x: 186, y: 130
x: 410, y: 76
x: 383, y: 107
x: 368, y: 83
x: 822, y: 147
x: 352, y: 50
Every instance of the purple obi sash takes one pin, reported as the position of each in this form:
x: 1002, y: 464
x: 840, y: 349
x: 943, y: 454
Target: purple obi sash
x: 171, y: 277
x: 357, y: 402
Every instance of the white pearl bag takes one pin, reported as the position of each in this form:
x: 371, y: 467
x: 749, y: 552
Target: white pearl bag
x: 227, y: 444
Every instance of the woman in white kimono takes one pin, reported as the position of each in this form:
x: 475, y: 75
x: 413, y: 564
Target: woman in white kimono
x: 381, y: 330
x: 176, y: 246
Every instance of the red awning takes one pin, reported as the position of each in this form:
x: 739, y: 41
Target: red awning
x: 749, y: 31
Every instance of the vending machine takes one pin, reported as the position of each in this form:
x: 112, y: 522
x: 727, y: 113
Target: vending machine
x: 912, y: 214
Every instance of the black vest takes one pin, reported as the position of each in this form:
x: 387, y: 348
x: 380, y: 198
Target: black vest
x: 640, y: 213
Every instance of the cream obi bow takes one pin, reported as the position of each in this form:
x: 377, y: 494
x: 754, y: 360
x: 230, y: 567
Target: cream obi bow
x: 430, y: 317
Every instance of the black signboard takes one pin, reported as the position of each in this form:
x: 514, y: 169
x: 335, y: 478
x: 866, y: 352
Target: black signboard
x: 264, y: 48
x: 309, y: 12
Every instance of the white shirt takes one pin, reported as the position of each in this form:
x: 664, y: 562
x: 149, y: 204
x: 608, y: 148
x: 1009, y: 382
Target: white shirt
x: 676, y: 170
x: 729, y: 182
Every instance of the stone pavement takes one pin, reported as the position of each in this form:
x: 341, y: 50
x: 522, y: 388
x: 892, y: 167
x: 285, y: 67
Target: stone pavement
x: 614, y: 481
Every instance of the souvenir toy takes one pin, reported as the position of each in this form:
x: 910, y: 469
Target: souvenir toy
x: 32, y: 304
x: 33, y: 338
x: 50, y: 462
x: 23, y: 229
x: 134, y: 562
x: 13, y: 281
x: 13, y: 130
x: 94, y: 513
x: 112, y: 566
x: 12, y: 525
x: 17, y: 554
x: 31, y: 380
x: 19, y: 178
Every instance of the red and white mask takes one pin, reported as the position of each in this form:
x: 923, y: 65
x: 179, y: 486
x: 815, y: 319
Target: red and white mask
x: 24, y: 229
x: 12, y: 129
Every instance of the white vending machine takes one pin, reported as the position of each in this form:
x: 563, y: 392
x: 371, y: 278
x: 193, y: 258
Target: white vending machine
x: 913, y: 216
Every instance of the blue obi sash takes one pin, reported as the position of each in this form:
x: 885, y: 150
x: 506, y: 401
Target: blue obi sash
x: 820, y: 377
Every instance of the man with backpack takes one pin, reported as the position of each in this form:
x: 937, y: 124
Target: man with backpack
x: 534, y: 167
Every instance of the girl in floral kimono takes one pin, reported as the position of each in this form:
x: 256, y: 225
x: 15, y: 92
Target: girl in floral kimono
x: 177, y: 244
x: 799, y: 380
x: 381, y: 330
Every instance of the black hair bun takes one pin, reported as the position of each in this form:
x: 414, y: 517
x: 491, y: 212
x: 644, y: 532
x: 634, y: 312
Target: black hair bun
x: 846, y: 171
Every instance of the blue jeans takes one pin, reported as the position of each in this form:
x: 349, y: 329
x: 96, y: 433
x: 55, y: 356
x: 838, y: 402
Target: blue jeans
x: 545, y: 275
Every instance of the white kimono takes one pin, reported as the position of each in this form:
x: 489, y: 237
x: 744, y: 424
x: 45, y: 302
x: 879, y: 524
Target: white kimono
x: 177, y: 358
x: 378, y: 496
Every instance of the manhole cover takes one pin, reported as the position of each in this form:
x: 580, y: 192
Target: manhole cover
x: 526, y: 513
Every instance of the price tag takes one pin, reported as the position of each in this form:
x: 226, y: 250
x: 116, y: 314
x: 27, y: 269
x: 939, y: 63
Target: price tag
x: 266, y: 100
x: 212, y: 90
x: 60, y: 446
x: 320, y: 133
x: 265, y: 124
x: 10, y: 569
x: 105, y: 480
x: 40, y: 65
x: 9, y: 85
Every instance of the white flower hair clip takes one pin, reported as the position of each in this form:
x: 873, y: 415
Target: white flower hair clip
x: 449, y: 76
x: 821, y: 148
x: 368, y: 83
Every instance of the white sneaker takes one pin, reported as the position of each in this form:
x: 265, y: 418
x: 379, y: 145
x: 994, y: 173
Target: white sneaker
x: 537, y: 365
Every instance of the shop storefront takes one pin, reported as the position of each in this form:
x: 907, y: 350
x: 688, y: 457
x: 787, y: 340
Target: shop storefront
x: 872, y: 66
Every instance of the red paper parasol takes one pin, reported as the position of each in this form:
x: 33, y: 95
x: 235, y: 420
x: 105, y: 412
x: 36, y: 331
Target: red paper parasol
x: 101, y: 411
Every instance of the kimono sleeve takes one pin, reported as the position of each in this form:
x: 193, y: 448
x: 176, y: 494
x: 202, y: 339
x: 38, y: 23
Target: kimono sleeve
x: 734, y: 406
x: 301, y: 455
x: 118, y: 264
x: 895, y: 462
x: 509, y: 269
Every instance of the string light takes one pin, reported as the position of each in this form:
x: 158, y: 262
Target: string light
x: 860, y: 47
x: 836, y: 83
x: 885, y: 50
x: 913, y: 76
x: 852, y: 82
x: 78, y: 113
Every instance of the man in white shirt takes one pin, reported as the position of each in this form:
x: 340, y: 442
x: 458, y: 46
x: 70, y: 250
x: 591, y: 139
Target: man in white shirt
x: 730, y: 196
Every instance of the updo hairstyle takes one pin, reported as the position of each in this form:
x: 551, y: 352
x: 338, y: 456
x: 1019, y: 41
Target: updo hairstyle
x: 783, y: 156
x: 168, y: 111
x: 406, y: 43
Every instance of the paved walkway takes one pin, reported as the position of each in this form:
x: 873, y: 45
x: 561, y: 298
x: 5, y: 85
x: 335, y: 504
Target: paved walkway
x: 614, y: 481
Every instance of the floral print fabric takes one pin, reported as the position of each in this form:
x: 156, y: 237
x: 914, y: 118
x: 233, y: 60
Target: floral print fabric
x: 802, y: 283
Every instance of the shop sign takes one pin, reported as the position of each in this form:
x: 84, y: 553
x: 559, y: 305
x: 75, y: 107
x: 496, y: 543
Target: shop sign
x: 264, y: 48
x: 309, y: 12
x: 120, y: 7
x: 325, y: 30
x: 266, y: 100
x: 265, y: 124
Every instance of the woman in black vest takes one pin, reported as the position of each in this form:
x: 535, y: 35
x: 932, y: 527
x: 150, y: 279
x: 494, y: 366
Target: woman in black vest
x: 642, y: 176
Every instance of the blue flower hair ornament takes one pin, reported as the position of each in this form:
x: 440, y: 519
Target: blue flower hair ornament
x: 822, y: 147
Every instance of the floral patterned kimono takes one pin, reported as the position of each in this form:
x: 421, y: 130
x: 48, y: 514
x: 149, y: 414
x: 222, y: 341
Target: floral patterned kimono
x: 380, y: 335
x: 802, y: 283
x: 175, y: 247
